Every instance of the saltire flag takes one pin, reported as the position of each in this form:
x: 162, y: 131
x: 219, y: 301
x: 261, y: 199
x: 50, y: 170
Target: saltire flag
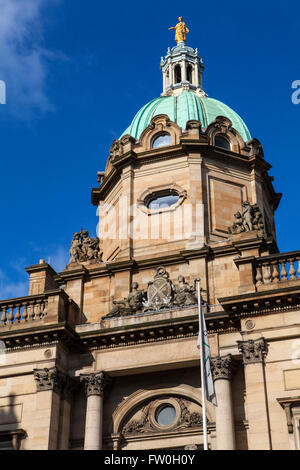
x: 208, y: 378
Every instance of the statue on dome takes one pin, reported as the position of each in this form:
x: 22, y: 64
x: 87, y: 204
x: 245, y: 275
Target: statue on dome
x: 181, y: 30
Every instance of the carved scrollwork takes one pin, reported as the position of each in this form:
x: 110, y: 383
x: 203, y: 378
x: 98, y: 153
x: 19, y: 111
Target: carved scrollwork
x: 147, y: 422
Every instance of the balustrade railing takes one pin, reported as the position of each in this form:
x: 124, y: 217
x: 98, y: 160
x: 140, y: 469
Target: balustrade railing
x: 26, y: 309
x: 278, y: 268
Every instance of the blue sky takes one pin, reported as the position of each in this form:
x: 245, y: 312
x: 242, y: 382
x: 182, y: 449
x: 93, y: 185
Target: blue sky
x: 77, y: 72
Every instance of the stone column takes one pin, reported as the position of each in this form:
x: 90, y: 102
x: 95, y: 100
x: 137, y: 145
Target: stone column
x: 222, y: 375
x: 50, y: 383
x: 95, y: 385
x: 183, y: 71
x: 254, y: 353
x: 171, y: 80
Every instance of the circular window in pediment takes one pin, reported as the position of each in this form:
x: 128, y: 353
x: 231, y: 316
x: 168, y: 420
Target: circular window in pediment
x: 165, y: 415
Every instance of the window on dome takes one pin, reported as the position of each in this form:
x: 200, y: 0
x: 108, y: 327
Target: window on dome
x: 162, y: 200
x: 189, y: 73
x: 162, y: 141
x: 222, y: 142
x: 177, y: 73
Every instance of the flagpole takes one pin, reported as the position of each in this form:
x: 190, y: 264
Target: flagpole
x: 202, y: 367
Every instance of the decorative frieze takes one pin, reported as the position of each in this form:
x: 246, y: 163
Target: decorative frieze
x: 95, y: 384
x: 222, y: 367
x: 253, y: 351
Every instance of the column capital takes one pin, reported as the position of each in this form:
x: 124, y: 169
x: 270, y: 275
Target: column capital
x: 95, y: 384
x: 253, y: 350
x: 48, y: 379
x: 222, y: 367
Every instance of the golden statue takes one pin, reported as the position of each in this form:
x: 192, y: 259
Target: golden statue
x: 181, y: 30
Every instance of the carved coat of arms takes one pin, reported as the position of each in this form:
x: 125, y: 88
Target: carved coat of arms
x: 160, y: 290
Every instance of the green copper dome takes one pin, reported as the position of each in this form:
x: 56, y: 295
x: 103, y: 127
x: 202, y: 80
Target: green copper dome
x: 183, y: 108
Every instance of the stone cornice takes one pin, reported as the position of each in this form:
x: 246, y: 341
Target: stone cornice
x: 40, y: 335
x: 155, y: 331
x: 262, y: 303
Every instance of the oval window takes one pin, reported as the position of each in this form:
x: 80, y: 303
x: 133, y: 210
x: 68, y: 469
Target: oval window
x: 162, y: 201
x: 165, y: 415
x: 162, y: 141
x: 222, y: 142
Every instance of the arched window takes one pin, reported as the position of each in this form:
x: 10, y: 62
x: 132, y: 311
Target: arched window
x: 161, y: 141
x: 189, y: 73
x: 177, y: 73
x: 222, y: 142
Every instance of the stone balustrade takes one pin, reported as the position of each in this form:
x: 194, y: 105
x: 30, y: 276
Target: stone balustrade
x: 278, y: 268
x: 46, y: 307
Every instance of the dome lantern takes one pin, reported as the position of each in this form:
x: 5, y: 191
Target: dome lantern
x: 182, y: 69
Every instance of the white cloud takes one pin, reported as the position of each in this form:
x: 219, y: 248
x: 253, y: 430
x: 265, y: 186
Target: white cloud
x: 15, y: 281
x: 58, y: 259
x: 23, y: 60
x: 10, y: 289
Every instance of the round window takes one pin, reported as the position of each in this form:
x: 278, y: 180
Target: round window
x: 165, y: 415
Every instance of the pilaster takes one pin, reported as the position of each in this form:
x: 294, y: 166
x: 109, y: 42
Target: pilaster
x: 254, y: 353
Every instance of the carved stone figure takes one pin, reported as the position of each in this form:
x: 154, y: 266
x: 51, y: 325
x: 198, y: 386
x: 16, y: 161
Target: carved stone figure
x: 181, y: 30
x: 75, y: 250
x: 237, y: 225
x: 247, y: 215
x: 84, y: 248
x: 250, y: 218
x: 130, y: 305
x: 161, y: 294
x: 184, y: 294
x: 257, y: 220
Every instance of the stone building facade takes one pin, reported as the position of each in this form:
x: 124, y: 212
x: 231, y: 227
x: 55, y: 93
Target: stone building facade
x: 103, y: 354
